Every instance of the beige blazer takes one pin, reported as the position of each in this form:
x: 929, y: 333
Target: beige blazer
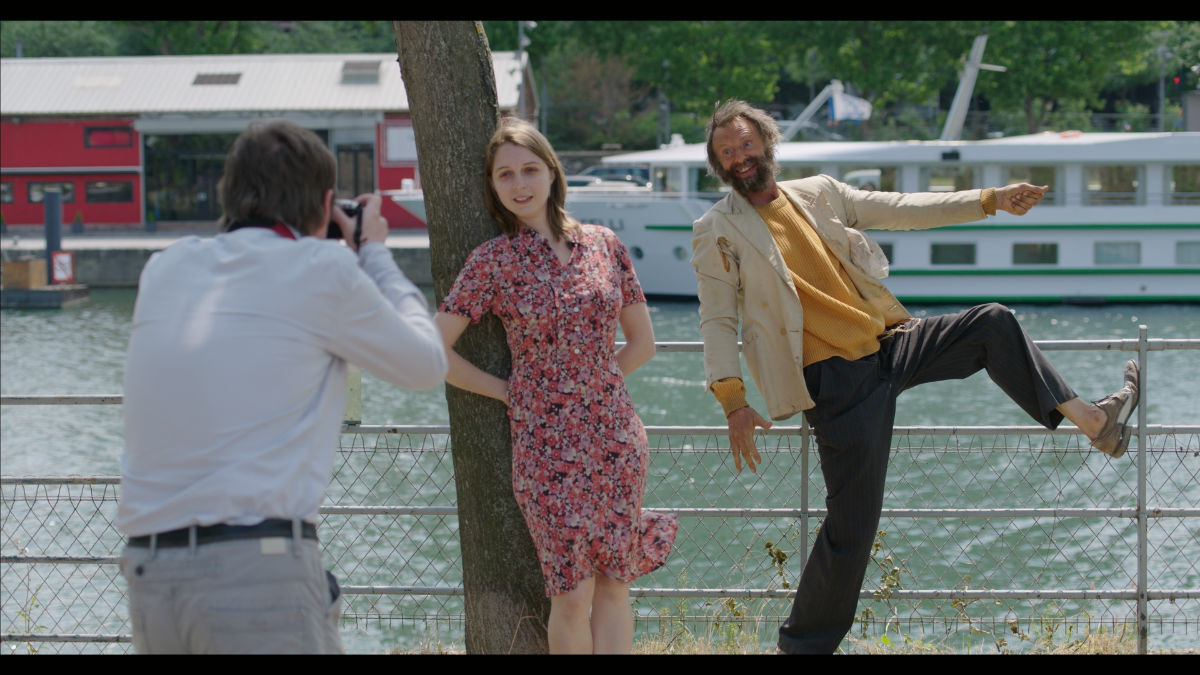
x: 741, y: 275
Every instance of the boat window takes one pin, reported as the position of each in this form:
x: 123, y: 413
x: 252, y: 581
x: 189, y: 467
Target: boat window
x: 952, y: 254
x: 870, y: 177
x: 6, y: 192
x: 1035, y: 254
x: 1111, y: 185
x: 1187, y: 253
x: 704, y: 183
x: 636, y: 252
x: 1185, y: 184
x: 795, y: 172
x: 887, y: 251
x: 1034, y: 175
x: 1118, y: 253
x: 948, y: 178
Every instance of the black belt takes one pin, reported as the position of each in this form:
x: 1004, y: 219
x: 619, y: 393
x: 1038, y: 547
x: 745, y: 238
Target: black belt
x: 209, y: 534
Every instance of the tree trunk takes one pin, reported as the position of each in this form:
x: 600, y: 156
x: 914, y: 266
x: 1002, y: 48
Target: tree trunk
x: 447, y: 71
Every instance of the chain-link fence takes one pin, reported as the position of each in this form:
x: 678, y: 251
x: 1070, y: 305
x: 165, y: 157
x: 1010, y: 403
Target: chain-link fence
x: 995, y: 538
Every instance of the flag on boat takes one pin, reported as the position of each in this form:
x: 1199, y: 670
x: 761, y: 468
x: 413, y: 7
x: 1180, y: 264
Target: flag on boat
x: 847, y: 107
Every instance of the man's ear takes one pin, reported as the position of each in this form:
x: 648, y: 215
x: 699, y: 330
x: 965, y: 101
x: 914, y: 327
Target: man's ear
x: 327, y: 209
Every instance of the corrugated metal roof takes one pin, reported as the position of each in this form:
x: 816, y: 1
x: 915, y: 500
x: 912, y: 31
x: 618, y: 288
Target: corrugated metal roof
x: 164, y: 84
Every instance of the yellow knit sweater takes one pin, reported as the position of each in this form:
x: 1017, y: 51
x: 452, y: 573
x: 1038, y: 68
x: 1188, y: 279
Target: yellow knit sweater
x: 837, y: 321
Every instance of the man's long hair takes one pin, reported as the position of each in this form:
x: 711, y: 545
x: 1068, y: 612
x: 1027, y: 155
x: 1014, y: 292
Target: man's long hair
x: 725, y: 114
x: 279, y: 171
x: 523, y: 134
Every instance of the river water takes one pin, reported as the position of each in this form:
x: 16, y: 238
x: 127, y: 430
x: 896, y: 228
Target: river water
x: 81, y: 350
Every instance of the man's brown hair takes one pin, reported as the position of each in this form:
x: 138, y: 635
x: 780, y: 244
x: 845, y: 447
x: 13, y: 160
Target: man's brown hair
x: 280, y: 171
x: 725, y: 113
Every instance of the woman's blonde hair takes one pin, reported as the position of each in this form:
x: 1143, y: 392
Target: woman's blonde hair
x: 523, y: 134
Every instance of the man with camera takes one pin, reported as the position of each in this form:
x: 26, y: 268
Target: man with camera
x: 235, y: 388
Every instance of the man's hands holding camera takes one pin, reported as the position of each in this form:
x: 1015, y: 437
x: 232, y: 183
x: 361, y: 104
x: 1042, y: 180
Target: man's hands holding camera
x: 374, y: 226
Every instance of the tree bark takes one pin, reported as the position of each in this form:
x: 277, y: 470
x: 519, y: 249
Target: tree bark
x: 447, y: 72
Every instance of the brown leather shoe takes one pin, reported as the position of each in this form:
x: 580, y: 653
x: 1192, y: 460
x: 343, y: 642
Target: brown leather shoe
x: 1113, y: 439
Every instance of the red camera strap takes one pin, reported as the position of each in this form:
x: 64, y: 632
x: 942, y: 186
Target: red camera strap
x: 283, y: 230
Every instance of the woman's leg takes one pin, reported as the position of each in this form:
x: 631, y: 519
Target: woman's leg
x: 612, y: 617
x: 569, y: 630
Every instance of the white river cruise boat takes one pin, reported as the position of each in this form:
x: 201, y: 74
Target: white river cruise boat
x: 1120, y: 223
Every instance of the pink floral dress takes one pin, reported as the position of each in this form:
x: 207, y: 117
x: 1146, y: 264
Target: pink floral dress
x: 579, y: 450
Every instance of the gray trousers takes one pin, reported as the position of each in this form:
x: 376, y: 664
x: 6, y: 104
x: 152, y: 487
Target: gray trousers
x: 853, y: 418
x: 249, y: 596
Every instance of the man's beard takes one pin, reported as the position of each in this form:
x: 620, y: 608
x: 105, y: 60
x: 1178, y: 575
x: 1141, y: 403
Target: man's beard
x: 761, y: 180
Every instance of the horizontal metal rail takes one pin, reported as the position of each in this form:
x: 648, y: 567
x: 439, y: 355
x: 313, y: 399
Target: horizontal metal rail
x: 1125, y: 344
x: 1141, y: 594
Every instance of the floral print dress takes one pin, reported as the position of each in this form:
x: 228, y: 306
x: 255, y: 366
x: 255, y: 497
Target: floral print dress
x: 580, y: 453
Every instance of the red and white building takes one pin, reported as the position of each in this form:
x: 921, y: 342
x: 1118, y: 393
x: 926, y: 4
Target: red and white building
x: 135, y: 141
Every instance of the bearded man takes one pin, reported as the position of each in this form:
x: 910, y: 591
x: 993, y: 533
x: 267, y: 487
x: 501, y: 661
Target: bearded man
x: 823, y: 336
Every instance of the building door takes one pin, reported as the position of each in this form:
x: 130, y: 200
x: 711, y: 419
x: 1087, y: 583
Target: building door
x: 356, y: 169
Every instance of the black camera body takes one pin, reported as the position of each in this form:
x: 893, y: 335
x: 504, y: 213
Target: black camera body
x: 350, y: 208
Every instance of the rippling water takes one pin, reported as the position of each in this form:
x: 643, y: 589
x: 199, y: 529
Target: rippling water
x: 81, y: 350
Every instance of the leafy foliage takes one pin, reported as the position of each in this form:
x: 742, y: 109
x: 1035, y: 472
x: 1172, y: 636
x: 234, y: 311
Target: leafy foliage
x: 634, y: 82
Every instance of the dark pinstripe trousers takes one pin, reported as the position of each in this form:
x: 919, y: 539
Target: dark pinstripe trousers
x: 853, y: 419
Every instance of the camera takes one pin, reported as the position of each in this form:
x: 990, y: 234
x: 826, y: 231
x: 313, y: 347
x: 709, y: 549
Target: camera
x: 350, y: 208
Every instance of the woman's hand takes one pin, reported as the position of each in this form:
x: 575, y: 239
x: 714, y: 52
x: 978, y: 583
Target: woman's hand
x: 463, y: 374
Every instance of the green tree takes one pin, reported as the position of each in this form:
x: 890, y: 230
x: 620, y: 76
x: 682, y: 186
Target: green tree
x: 592, y: 101
x: 190, y: 37
x: 329, y: 37
x: 57, y: 38
x: 680, y: 66
x: 885, y: 62
x: 1059, y: 65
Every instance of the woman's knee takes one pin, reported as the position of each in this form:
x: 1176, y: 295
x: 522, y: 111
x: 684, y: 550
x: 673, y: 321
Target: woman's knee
x: 610, y: 591
x: 575, y: 602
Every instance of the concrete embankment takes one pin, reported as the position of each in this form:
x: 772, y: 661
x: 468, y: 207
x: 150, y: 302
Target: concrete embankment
x: 116, y: 260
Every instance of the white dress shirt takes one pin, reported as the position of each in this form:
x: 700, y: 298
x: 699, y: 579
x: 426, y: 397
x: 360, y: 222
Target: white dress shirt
x: 236, y: 379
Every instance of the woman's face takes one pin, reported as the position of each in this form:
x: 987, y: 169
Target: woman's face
x: 522, y: 182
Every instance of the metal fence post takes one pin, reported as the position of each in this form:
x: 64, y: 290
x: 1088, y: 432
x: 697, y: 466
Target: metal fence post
x: 805, y: 438
x: 1143, y: 521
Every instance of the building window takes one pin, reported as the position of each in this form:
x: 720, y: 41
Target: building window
x: 1118, y: 253
x: 1111, y: 185
x: 1035, y: 175
x: 360, y: 72
x: 216, y: 78
x: 400, y: 144
x: 108, y: 137
x: 1035, y: 254
x: 182, y: 172
x: 96, y: 191
x: 952, y: 254
x: 37, y: 192
x: 1187, y: 253
x: 1185, y: 185
x: 6, y: 193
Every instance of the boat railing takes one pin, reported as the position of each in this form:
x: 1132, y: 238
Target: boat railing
x: 1005, y: 536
